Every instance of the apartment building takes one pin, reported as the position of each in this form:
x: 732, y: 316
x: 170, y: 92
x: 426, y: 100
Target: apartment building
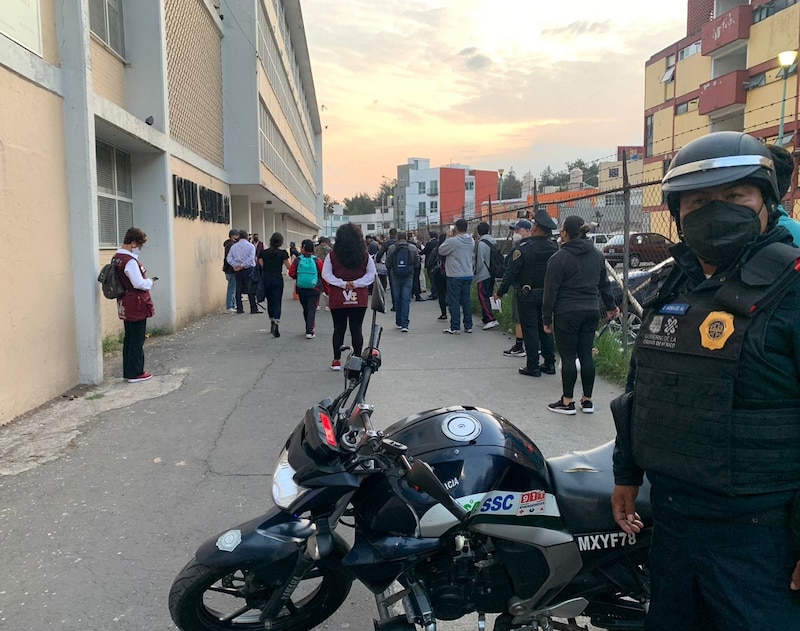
x: 177, y: 116
x: 439, y: 195
x: 723, y: 75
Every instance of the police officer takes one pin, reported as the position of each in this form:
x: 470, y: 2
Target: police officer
x: 526, y: 272
x: 714, y: 415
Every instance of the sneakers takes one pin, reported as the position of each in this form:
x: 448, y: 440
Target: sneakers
x: 559, y: 407
x: 404, y: 329
x: 491, y: 325
x: 452, y: 331
x: 548, y: 368
x: 310, y: 336
x: 587, y: 407
x: 143, y: 377
x: 336, y: 365
x: 515, y: 351
x: 467, y: 330
x: 530, y: 373
x: 442, y: 317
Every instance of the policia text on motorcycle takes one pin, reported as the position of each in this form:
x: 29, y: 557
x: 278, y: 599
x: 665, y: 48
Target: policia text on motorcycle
x: 714, y: 412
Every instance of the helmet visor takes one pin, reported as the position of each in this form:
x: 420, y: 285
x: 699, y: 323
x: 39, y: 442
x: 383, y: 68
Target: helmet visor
x: 714, y: 171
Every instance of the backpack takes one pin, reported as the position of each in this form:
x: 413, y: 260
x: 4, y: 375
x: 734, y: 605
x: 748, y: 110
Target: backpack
x: 307, y: 273
x: 402, y: 261
x: 497, y: 263
x: 109, y: 280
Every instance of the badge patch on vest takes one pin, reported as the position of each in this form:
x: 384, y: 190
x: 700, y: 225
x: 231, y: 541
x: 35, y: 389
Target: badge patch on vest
x: 716, y: 329
x: 516, y: 255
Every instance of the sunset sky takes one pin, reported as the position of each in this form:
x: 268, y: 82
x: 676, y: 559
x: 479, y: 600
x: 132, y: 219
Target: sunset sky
x: 488, y: 83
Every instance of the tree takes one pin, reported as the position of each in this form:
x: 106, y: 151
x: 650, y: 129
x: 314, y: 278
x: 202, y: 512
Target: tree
x: 361, y: 204
x: 512, y: 187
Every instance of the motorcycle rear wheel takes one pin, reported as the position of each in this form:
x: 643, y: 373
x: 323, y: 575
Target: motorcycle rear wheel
x: 204, y: 598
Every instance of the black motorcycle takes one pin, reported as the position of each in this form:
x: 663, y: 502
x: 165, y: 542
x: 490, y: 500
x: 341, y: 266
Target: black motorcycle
x: 450, y: 512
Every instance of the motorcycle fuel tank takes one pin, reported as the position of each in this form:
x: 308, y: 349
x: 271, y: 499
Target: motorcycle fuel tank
x: 481, y: 458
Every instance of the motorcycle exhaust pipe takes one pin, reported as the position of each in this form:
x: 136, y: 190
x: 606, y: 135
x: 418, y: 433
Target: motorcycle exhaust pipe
x: 398, y: 623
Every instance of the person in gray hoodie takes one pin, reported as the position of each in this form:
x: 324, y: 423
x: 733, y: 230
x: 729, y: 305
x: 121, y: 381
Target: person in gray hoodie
x: 484, y: 281
x: 458, y: 252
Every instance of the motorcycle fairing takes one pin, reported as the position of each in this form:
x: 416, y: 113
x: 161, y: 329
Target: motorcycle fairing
x: 269, y: 538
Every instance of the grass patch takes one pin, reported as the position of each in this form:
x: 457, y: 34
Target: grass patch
x: 158, y: 331
x: 610, y: 361
x: 113, y: 343
x: 94, y: 397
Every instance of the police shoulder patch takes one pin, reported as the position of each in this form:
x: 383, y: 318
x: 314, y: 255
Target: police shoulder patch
x: 516, y: 255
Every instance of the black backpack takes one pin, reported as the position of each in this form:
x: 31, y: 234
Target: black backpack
x: 497, y: 263
x: 109, y: 281
x: 403, y: 267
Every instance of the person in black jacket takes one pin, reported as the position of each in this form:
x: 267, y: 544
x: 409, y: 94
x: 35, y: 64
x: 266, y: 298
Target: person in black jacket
x: 575, y: 276
x: 714, y: 414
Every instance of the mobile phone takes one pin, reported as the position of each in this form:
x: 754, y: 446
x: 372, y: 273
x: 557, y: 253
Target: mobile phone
x: 154, y: 279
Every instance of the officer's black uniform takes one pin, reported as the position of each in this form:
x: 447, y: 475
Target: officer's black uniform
x: 526, y: 268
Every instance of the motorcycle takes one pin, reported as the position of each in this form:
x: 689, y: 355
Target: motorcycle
x: 452, y: 511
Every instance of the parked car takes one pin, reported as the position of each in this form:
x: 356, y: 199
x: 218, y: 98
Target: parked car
x: 647, y: 247
x: 599, y: 239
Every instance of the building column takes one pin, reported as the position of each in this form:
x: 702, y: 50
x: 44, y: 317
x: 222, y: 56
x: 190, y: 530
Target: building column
x: 79, y: 132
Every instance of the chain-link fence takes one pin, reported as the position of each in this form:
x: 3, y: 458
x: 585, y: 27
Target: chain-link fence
x: 631, y: 225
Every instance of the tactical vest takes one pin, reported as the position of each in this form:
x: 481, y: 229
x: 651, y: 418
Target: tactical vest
x: 687, y: 423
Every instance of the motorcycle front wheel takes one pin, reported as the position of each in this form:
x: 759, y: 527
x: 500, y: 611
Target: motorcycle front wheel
x: 203, y: 598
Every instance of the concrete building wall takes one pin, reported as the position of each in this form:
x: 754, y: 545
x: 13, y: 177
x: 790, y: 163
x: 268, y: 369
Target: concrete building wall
x: 108, y: 73
x: 773, y: 35
x: 194, y: 75
x: 38, y: 359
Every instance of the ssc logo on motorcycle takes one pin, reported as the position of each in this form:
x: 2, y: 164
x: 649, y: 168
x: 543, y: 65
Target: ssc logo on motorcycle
x: 228, y: 541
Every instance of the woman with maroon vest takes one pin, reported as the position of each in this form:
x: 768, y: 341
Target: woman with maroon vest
x: 135, y: 305
x: 349, y: 271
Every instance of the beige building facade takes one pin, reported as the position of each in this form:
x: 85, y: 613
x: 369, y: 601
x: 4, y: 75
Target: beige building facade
x: 153, y: 113
x: 723, y: 75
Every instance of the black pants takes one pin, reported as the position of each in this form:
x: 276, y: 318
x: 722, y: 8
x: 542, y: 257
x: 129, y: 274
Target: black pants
x: 309, y: 299
x: 529, y: 310
x: 416, y: 288
x: 574, y: 331
x: 440, y: 280
x: 354, y: 317
x: 133, y: 349
x: 244, y: 286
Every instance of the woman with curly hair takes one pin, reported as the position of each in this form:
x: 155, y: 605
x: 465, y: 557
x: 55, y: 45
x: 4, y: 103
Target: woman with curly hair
x: 349, y: 271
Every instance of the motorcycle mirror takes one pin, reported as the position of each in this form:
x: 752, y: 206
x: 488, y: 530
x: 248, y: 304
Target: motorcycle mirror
x: 422, y: 476
x: 378, y: 302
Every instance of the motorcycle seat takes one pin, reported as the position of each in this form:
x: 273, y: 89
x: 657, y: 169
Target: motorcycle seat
x: 583, y: 482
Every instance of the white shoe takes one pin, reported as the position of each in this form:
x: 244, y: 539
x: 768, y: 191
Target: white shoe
x: 404, y: 329
x: 491, y: 325
x: 452, y: 331
x: 310, y: 336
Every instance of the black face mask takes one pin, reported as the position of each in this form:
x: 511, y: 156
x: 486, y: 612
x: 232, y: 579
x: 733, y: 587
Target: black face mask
x: 718, y: 232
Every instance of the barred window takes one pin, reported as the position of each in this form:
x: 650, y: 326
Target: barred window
x: 114, y: 194
x: 105, y: 21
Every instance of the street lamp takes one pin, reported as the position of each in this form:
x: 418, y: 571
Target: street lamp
x: 500, y: 185
x: 785, y: 60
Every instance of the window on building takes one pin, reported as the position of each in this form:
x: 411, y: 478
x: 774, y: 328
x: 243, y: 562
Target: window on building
x: 613, y: 172
x: 434, y: 207
x: 670, y: 61
x: 470, y: 185
x: 421, y: 209
x: 615, y: 199
x: 757, y: 81
x: 682, y: 108
x: 669, y: 75
x: 787, y: 72
x: 370, y: 227
x: 114, y: 194
x: 648, y: 135
x: 105, y: 21
x: 421, y: 188
x: 691, y: 49
x: 433, y: 187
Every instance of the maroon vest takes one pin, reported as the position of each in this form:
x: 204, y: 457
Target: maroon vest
x: 338, y: 297
x: 135, y: 304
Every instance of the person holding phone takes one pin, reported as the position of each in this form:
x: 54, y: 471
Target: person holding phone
x: 135, y: 305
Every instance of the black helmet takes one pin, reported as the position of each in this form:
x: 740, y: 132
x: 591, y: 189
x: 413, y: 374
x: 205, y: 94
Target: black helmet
x: 719, y: 158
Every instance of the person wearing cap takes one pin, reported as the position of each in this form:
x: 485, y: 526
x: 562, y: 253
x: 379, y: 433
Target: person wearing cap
x: 714, y: 414
x: 575, y: 277
x: 526, y: 271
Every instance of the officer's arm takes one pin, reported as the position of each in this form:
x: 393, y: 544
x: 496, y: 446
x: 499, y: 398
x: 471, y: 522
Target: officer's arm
x: 512, y: 272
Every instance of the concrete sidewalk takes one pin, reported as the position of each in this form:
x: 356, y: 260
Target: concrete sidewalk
x: 106, y: 495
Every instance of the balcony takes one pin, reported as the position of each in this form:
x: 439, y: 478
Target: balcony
x: 723, y: 92
x: 722, y: 34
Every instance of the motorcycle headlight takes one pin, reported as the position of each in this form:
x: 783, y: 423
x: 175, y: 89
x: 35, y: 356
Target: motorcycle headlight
x: 284, y: 489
